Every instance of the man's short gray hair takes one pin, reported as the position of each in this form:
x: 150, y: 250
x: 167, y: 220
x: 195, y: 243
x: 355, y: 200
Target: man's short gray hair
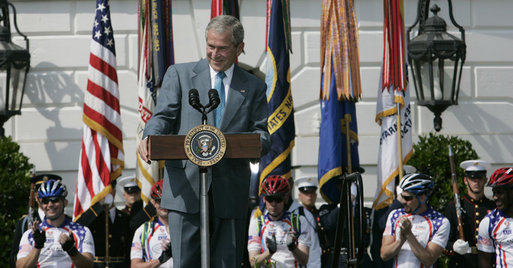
x: 222, y: 23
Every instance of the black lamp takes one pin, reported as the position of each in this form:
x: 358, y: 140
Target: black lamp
x: 436, y: 60
x: 14, y: 66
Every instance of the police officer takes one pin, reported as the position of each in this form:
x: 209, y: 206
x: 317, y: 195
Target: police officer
x: 474, y: 207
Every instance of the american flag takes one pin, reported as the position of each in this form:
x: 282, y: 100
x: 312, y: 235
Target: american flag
x: 101, y: 155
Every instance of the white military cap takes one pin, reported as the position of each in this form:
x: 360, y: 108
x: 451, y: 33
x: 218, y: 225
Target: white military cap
x: 306, y: 182
x: 475, y: 168
x: 129, y: 183
x: 409, y: 169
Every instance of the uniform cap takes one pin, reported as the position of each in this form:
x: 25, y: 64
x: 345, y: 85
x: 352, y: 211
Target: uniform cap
x: 409, y: 169
x: 305, y: 183
x: 475, y: 168
x: 129, y: 183
x: 38, y: 179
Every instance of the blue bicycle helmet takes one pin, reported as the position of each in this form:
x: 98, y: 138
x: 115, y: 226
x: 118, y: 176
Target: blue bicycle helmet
x: 417, y: 183
x: 52, y: 188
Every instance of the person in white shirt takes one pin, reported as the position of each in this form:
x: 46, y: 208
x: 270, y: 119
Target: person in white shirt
x: 278, y: 238
x: 57, y: 241
x: 496, y: 229
x: 151, y: 246
x: 416, y: 234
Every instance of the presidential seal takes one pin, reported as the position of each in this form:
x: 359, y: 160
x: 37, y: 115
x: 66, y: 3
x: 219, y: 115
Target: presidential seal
x: 205, y: 145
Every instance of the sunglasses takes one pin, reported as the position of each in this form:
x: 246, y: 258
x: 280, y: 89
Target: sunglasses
x: 276, y: 199
x: 53, y: 199
x: 407, y: 198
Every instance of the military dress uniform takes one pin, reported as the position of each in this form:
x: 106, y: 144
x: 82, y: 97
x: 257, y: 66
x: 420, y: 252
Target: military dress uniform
x: 120, y: 238
x: 472, y: 212
x: 327, y: 224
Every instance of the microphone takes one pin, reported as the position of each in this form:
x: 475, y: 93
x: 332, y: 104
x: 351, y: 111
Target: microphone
x: 213, y: 100
x: 194, y: 100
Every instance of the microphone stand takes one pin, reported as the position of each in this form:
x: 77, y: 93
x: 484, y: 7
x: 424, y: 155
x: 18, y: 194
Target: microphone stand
x: 204, y: 213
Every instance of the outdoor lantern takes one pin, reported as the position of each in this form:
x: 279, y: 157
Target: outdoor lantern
x: 436, y: 60
x: 14, y: 65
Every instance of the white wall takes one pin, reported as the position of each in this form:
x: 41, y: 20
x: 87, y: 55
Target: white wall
x: 49, y: 130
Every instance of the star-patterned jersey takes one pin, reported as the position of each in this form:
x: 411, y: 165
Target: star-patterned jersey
x: 430, y: 226
x: 282, y: 258
x: 149, y: 241
x: 52, y: 254
x: 496, y: 236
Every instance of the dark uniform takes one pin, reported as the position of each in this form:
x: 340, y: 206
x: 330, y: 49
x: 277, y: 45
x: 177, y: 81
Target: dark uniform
x: 327, y: 219
x: 120, y: 240
x: 140, y: 216
x: 472, y: 212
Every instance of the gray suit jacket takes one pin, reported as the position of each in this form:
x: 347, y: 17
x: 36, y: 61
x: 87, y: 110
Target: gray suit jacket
x: 245, y: 111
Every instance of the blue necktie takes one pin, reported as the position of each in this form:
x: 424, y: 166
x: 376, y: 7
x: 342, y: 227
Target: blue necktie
x: 219, y: 86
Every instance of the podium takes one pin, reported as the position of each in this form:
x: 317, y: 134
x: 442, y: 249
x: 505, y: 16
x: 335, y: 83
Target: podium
x: 171, y: 147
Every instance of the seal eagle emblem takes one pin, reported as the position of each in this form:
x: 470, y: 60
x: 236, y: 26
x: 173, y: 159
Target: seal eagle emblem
x: 205, y: 145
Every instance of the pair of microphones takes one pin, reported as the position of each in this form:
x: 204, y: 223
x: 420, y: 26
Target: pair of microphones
x: 213, y: 101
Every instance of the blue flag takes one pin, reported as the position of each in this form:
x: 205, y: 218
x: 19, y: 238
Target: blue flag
x: 333, y: 154
x: 162, y: 38
x: 280, y: 122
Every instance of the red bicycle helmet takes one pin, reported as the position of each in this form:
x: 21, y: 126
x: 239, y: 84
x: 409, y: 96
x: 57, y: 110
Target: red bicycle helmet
x: 156, y: 190
x: 501, y: 177
x: 275, y: 185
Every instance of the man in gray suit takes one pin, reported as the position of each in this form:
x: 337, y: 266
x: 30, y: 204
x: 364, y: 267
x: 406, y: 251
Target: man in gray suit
x: 228, y: 181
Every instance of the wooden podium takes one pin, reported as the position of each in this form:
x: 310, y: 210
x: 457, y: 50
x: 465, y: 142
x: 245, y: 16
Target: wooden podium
x: 171, y: 147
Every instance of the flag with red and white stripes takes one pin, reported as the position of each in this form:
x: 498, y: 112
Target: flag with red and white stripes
x: 394, y: 149
x: 101, y: 156
x: 156, y: 54
x: 224, y: 7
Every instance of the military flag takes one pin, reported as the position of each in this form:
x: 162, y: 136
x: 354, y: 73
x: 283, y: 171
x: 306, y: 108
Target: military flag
x: 340, y: 89
x: 101, y: 154
x: 393, y: 111
x: 156, y: 54
x: 280, y: 122
x: 224, y: 7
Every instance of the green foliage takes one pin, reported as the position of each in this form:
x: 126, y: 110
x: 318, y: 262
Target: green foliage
x: 431, y: 156
x: 15, y: 184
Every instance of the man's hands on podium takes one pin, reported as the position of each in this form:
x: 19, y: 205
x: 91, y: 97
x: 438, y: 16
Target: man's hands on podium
x: 142, y: 149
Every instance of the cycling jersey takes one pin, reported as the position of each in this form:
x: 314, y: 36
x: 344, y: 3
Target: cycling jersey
x: 149, y: 241
x: 496, y: 236
x: 429, y: 226
x: 259, y: 230
x: 52, y: 254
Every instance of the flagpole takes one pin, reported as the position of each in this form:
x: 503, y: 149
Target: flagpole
x: 399, y: 141
x: 349, y: 208
x: 348, y: 143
